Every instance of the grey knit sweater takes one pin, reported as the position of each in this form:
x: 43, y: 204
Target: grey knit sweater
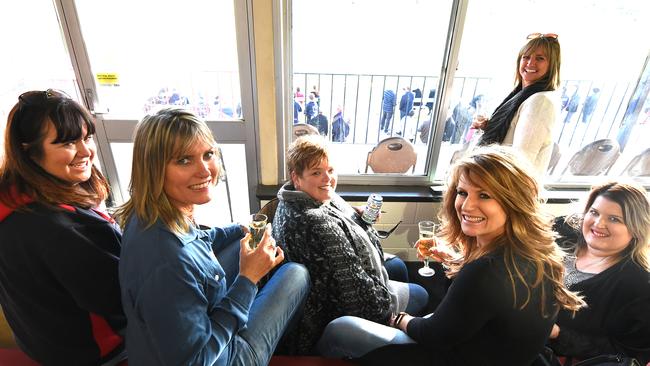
x: 345, y: 263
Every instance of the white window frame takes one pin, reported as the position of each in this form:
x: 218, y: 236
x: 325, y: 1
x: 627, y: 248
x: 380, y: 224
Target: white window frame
x: 111, y: 130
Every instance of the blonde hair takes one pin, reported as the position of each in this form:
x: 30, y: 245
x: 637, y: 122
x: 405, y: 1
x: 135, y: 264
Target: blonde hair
x: 527, y: 233
x: 306, y: 152
x: 551, y: 47
x: 159, y: 139
x: 636, y: 214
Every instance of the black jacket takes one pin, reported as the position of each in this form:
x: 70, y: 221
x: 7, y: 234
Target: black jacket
x: 617, y: 317
x: 477, y: 323
x: 59, y: 286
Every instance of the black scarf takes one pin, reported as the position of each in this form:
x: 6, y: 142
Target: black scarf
x: 498, y: 125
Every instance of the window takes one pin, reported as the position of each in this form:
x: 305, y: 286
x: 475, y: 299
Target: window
x: 355, y: 50
x: 599, y: 74
x: 131, y: 58
x: 168, y: 54
x: 35, y: 56
x: 160, y: 54
x: 364, y: 71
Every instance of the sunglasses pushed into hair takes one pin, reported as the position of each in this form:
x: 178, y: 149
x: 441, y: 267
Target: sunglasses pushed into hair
x: 542, y: 35
x: 35, y: 97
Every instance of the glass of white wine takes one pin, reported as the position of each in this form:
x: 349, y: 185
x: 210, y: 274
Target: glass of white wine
x: 427, y: 230
x: 257, y: 226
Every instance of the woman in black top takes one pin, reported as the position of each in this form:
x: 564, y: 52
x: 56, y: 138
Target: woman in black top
x: 610, y: 268
x: 59, y: 254
x: 507, y: 277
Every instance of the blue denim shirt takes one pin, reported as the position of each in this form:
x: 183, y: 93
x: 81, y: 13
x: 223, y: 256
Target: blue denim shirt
x: 178, y: 306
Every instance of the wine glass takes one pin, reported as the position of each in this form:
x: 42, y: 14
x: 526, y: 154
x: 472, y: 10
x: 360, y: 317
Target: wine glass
x: 257, y: 226
x: 427, y: 230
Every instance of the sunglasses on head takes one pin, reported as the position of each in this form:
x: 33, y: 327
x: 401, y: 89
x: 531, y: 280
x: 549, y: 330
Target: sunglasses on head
x: 35, y: 97
x: 541, y: 35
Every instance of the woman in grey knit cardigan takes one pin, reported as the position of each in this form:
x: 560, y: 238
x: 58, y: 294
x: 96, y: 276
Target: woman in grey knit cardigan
x: 317, y: 228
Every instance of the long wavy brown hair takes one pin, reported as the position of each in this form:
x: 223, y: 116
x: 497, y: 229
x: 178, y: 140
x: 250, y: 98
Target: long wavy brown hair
x: 527, y: 232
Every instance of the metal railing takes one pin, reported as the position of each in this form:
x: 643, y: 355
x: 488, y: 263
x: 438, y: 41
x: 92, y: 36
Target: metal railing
x: 360, y: 98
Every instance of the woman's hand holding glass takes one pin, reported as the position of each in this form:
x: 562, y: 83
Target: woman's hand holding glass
x: 256, y: 263
x: 480, y: 122
x: 433, y: 249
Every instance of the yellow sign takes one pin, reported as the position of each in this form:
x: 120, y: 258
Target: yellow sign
x: 108, y: 78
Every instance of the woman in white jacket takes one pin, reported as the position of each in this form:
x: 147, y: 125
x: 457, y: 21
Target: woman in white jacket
x: 526, y: 117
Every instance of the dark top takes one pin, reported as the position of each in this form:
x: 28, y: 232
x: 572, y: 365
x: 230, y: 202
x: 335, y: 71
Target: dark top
x: 406, y: 102
x: 340, y: 128
x: 388, y: 102
x: 476, y: 323
x: 321, y: 124
x: 59, y: 284
x: 617, y: 319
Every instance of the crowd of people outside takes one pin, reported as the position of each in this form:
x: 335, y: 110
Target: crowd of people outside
x: 205, y: 107
x: 311, y: 111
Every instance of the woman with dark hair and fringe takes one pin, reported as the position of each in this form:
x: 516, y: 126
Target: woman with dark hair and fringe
x: 610, y: 267
x: 59, y: 254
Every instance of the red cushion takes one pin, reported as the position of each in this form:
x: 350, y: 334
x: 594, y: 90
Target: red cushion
x: 307, y: 361
x: 15, y: 357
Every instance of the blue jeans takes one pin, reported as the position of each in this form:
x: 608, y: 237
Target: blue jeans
x: 384, y: 121
x: 418, y: 296
x: 396, y: 269
x: 276, y: 306
x: 353, y: 337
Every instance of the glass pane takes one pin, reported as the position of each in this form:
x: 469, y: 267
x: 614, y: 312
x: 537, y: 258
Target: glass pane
x: 150, y: 54
x: 599, y: 72
x: 37, y: 59
x: 348, y: 55
x: 217, y: 211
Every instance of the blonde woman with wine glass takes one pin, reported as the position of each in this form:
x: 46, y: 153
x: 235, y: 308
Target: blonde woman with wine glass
x: 180, y: 307
x: 507, y: 278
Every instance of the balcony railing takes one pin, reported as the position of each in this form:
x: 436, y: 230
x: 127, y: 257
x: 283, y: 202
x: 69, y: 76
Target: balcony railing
x: 360, y: 98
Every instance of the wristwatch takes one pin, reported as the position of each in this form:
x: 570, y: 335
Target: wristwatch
x: 398, y: 319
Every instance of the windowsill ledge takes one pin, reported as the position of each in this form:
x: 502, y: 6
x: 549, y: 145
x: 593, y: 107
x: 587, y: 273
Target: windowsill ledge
x: 360, y: 193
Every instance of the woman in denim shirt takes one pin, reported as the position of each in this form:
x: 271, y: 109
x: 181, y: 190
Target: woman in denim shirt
x: 180, y: 306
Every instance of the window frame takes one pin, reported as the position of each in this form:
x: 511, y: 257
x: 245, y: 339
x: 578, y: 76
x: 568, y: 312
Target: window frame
x: 284, y: 75
x: 109, y: 129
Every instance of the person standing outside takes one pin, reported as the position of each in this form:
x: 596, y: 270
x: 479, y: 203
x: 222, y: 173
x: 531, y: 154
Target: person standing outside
x: 311, y: 109
x: 406, y: 102
x: 387, y: 109
x: 590, y: 105
x: 296, y: 111
x: 572, y: 106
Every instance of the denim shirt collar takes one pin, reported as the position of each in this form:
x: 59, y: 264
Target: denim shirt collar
x: 185, y: 238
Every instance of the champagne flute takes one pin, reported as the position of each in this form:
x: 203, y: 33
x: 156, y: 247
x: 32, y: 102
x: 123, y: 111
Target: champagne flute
x: 257, y: 226
x: 427, y: 231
